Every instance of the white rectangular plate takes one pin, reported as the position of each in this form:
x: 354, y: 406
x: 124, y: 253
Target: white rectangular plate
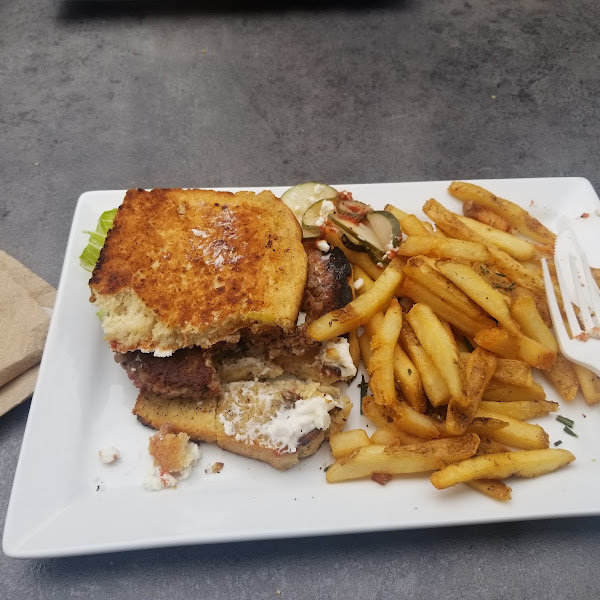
x: 65, y: 501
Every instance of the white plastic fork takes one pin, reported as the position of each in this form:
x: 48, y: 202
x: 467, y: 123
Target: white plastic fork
x: 577, y: 286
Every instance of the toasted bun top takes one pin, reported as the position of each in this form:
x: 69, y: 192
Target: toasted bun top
x: 184, y: 268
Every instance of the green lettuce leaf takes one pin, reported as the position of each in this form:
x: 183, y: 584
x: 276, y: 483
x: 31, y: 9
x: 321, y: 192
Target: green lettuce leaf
x: 91, y: 253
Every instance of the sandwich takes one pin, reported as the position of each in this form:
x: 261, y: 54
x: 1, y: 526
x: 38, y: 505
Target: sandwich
x: 205, y: 297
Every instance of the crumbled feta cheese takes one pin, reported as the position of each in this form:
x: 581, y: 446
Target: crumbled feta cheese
x: 359, y: 283
x: 336, y: 352
x: 157, y: 481
x: 323, y: 246
x: 108, y: 454
x: 162, y: 353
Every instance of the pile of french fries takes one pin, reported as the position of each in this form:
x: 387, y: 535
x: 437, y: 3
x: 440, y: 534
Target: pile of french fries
x: 450, y: 332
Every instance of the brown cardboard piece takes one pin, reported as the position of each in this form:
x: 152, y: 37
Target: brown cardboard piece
x: 23, y: 328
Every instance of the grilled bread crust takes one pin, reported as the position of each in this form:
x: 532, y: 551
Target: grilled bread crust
x: 202, y: 421
x: 184, y: 268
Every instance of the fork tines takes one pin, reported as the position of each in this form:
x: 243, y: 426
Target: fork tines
x: 587, y: 296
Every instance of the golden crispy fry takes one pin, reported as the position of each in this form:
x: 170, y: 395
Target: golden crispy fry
x: 381, y: 415
x: 360, y: 259
x: 449, y: 222
x: 393, y: 460
x: 434, y: 385
x: 513, y: 372
x: 516, y: 247
x: 529, y: 463
x: 455, y: 316
x: 518, y: 434
x: 361, y: 309
x: 422, y: 269
x: 441, y: 348
x: 518, y: 217
x: 354, y: 347
x: 495, y: 279
x: 485, y: 216
x: 525, y: 313
x: 409, y: 380
x: 399, y: 214
x: 381, y: 363
x: 493, y: 488
x: 479, y: 369
x: 514, y: 270
x: 450, y: 449
x: 590, y: 384
x: 344, y: 442
x: 367, y: 281
x: 364, y: 341
x: 487, y: 446
x: 413, y: 422
x: 564, y: 378
x: 438, y: 247
x: 388, y: 435
x: 505, y: 392
x: 485, y: 427
x: 523, y: 410
x: 504, y: 344
x: 480, y: 292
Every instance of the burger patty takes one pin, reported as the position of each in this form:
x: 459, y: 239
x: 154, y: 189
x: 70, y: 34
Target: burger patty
x: 327, y: 286
x: 187, y: 372
x: 190, y: 372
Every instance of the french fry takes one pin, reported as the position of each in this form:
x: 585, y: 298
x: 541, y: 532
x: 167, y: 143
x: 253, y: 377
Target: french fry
x: 513, y: 372
x: 354, y: 347
x: 388, y: 435
x: 479, y: 369
x: 422, y: 269
x: 441, y: 348
x: 502, y: 343
x: 455, y: 316
x: 364, y: 342
x: 356, y: 258
x: 487, y: 446
x: 493, y: 488
x: 434, y: 385
x: 381, y: 415
x: 497, y: 280
x: 522, y: 410
x: 514, y: 270
x: 358, y: 273
x: 516, y: 247
x: 480, y: 292
x: 381, y: 363
x: 590, y: 384
x: 450, y: 223
x: 450, y: 449
x: 528, y: 463
x: 505, y: 392
x: 361, y: 309
x: 438, y: 247
x: 413, y: 422
x: 524, y: 311
x: 564, y: 378
x: 393, y: 460
x: 518, y: 434
x: 486, y: 427
x: 518, y: 217
x: 345, y: 442
x: 409, y: 380
x: 485, y: 216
